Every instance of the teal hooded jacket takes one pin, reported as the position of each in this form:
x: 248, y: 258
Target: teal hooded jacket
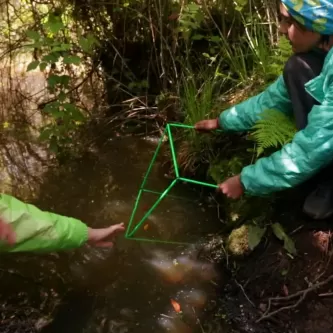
x: 311, y: 148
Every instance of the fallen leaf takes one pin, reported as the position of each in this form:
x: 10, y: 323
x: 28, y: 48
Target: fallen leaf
x: 145, y: 228
x: 175, y: 305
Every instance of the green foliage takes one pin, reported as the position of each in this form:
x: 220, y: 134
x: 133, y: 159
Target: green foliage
x: 240, y: 4
x: 233, y: 41
x: 247, y: 237
x: 197, y: 97
x: 279, y: 57
x: 190, y: 19
x: 54, y: 23
x: 225, y: 168
x: 255, y: 234
x: 279, y: 232
x: 196, y: 100
x: 59, y: 52
x: 273, y: 130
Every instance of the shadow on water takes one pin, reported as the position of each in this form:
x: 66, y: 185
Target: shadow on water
x: 128, y: 288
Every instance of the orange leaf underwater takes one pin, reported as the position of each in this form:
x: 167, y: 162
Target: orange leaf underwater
x: 175, y: 305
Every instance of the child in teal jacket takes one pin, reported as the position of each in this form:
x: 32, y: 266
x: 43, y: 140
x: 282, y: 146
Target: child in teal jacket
x: 305, y: 90
x: 24, y: 227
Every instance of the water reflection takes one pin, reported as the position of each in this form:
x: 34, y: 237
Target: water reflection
x: 181, y: 268
x: 127, y: 288
x: 174, y: 325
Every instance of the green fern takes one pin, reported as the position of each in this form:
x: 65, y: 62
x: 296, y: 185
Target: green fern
x: 273, y: 130
x: 279, y: 57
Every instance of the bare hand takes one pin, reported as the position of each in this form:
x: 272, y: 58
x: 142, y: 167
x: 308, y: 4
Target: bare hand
x: 207, y: 125
x: 101, y: 237
x: 7, y: 233
x: 232, y: 187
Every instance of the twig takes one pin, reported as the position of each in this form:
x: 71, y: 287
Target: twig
x: 301, y: 294
x: 297, y: 229
x: 198, y: 320
x: 242, y: 289
x: 166, y: 316
x: 325, y: 295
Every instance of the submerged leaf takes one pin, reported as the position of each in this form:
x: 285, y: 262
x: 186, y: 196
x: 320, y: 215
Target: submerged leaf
x: 175, y: 305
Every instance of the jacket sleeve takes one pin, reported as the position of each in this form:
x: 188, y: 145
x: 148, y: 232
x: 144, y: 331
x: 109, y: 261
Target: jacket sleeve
x: 243, y: 116
x: 40, y: 231
x: 310, y: 150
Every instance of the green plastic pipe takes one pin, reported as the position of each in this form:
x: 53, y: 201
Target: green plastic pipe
x: 158, y: 241
x: 129, y: 234
x: 151, y: 209
x: 180, y: 125
x: 133, y: 212
x: 173, y: 153
x: 188, y: 126
x: 198, y: 182
x: 170, y: 196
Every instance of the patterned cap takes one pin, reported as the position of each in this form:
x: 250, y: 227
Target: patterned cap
x: 315, y: 15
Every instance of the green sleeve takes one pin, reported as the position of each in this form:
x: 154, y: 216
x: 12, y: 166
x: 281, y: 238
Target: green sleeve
x: 310, y: 150
x: 40, y: 231
x: 243, y: 116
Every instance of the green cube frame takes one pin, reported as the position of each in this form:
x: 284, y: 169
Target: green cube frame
x: 130, y: 232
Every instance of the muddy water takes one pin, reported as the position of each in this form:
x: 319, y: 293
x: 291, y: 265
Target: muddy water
x: 131, y: 287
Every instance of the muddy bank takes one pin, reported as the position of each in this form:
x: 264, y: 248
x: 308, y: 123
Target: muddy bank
x: 272, y: 291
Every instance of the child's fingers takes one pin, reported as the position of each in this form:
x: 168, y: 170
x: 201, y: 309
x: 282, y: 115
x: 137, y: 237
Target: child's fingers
x: 116, y: 228
x: 7, y: 233
x: 223, y: 188
x: 11, y: 237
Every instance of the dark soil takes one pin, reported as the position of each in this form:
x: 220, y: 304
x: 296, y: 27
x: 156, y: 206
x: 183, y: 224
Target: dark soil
x: 270, y: 271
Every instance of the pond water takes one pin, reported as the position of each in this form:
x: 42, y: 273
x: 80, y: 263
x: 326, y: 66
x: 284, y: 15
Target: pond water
x: 136, y: 286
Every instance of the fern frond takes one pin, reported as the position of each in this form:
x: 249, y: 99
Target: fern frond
x: 273, y: 130
x: 279, y: 57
